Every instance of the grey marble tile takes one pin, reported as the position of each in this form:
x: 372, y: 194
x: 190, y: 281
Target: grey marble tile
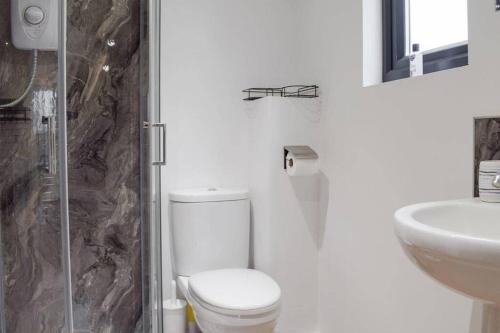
x: 104, y: 152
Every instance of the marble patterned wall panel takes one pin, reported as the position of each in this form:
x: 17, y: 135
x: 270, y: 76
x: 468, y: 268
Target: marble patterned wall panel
x: 104, y: 160
x: 486, y: 144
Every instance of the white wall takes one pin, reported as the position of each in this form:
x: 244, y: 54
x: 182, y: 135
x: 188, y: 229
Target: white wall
x: 385, y: 146
x: 388, y: 146
x: 286, y: 211
x: 211, y: 51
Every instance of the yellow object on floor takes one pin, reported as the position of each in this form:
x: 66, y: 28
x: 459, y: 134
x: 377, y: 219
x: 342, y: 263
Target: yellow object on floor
x: 191, y: 321
x: 190, y: 314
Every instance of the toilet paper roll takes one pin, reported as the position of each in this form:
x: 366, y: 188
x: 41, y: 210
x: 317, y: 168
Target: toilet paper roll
x: 301, y: 167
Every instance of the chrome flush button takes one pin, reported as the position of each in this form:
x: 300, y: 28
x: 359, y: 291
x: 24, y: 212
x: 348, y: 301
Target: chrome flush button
x: 34, y: 15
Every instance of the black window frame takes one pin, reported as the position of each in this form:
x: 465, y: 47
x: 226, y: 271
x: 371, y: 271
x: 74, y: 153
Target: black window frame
x: 396, y: 64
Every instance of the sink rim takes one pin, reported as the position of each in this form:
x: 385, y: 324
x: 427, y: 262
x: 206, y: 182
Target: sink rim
x: 412, y: 232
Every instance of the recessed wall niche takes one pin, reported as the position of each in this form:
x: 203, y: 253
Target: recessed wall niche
x: 486, y: 144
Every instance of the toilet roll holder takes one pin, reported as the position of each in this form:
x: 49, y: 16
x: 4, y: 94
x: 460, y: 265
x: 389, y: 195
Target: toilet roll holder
x: 300, y: 152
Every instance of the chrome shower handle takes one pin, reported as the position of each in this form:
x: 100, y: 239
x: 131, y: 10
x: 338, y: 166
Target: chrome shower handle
x: 163, y: 127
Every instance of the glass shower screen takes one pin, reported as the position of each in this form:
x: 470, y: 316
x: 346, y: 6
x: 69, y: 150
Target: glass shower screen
x: 76, y: 210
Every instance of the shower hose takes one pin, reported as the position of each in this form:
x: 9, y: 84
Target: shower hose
x: 34, y: 68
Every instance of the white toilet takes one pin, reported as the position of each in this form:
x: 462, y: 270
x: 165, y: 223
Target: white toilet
x: 211, y: 242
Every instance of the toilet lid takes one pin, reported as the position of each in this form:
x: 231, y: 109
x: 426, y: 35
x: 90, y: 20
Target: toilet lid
x: 235, y: 289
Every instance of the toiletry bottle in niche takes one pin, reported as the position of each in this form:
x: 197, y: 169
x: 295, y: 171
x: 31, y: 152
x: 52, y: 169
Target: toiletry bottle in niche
x: 416, y: 61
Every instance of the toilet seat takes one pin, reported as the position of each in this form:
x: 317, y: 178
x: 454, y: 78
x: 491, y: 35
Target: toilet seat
x: 233, y: 300
x: 235, y: 291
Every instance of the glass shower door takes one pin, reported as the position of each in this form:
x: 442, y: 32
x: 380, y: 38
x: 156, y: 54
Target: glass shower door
x: 77, y: 208
x: 108, y: 96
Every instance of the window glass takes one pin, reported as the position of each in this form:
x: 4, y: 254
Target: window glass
x: 436, y: 23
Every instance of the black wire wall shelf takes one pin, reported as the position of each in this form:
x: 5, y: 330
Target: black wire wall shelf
x: 16, y: 113
x: 297, y: 91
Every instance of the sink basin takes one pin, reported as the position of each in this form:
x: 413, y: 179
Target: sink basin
x: 458, y: 244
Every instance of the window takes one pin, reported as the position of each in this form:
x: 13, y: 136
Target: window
x: 436, y: 28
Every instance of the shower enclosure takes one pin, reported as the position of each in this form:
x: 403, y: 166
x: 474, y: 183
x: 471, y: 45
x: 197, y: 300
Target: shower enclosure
x: 80, y: 153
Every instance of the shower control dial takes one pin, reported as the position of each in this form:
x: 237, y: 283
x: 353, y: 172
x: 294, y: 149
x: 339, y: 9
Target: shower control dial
x: 34, y: 24
x: 34, y: 15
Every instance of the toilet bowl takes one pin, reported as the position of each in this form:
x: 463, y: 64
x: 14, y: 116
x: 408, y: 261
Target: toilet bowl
x: 211, y: 242
x: 233, y: 301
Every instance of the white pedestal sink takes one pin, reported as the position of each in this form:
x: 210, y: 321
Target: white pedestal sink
x: 458, y: 244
